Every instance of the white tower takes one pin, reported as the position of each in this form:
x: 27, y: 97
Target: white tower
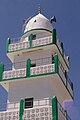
x: 38, y: 83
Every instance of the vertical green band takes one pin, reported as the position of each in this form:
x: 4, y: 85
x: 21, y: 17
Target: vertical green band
x: 1, y: 70
x: 54, y: 36
x: 28, y: 68
x: 30, y: 39
x: 7, y: 44
x: 54, y: 109
x: 21, y: 109
x: 56, y: 62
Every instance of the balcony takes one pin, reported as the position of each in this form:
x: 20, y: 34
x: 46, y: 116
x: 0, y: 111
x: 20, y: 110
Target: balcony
x: 51, y: 42
x: 49, y: 69
x: 42, y: 110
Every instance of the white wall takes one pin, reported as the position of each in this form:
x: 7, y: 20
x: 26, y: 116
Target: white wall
x: 20, y: 61
x: 39, y: 89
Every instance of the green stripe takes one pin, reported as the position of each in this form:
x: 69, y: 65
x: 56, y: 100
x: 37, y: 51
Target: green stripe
x: 1, y: 71
x: 37, y: 29
x: 54, y: 36
x: 7, y: 44
x: 54, y: 109
x: 21, y: 109
x: 28, y: 68
x: 56, y: 62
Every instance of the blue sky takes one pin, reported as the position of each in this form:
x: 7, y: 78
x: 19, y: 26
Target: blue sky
x: 67, y: 12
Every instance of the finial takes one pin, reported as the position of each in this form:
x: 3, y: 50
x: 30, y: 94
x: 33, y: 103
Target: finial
x: 39, y: 8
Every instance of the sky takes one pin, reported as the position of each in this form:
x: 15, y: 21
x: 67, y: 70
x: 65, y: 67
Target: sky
x: 67, y: 12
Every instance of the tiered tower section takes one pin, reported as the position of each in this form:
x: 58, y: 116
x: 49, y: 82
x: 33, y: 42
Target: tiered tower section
x: 39, y: 72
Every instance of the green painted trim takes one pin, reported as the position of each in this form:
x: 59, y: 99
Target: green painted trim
x: 54, y: 36
x: 1, y: 71
x: 42, y: 74
x: 28, y: 68
x: 21, y: 109
x: 66, y: 87
x: 30, y: 40
x: 37, y: 29
x: 56, y: 63
x: 7, y: 44
x: 12, y: 78
x: 54, y: 109
x: 27, y: 76
x: 30, y: 48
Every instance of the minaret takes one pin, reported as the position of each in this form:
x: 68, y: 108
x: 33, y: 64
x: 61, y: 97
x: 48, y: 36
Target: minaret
x: 38, y: 82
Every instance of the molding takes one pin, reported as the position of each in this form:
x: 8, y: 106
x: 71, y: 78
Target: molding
x: 36, y: 29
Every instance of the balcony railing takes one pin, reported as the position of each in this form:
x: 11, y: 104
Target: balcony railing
x: 22, y: 45
x: 41, y: 112
x: 19, y: 46
x: 14, y: 73
x: 34, y: 68
x: 26, y: 45
x: 42, y: 41
x: 42, y: 69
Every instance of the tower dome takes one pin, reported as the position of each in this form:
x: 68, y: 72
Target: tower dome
x: 38, y: 21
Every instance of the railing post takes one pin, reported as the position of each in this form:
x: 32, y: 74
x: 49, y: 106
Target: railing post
x: 28, y: 65
x: 30, y: 40
x: 21, y: 109
x: 54, y: 36
x: 54, y: 108
x: 7, y: 44
x: 62, y: 49
x: 1, y: 70
x: 56, y: 63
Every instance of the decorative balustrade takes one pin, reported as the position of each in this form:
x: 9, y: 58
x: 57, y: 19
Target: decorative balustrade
x: 14, y: 73
x: 42, y: 41
x: 18, y: 46
x: 42, y: 69
x: 24, y: 45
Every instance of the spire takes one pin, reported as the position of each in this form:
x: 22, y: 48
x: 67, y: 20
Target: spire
x: 39, y: 8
